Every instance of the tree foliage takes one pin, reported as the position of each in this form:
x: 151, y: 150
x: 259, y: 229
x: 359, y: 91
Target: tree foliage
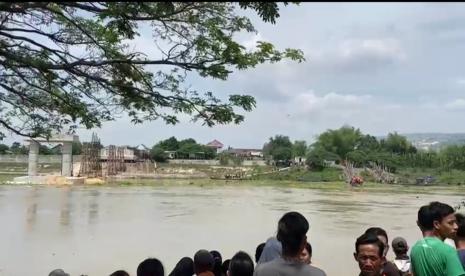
x: 69, y: 64
x: 170, y: 144
x: 184, y: 149
x: 339, y: 141
x: 299, y: 148
x: 17, y: 148
x: 278, y: 147
x: 317, y: 158
x: 398, y: 144
x: 3, y: 148
x: 158, y: 154
x: 348, y: 143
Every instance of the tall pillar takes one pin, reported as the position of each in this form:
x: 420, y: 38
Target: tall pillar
x: 33, y: 158
x: 67, y: 159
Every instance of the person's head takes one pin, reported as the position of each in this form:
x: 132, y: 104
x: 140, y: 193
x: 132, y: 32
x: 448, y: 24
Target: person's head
x: 225, y: 266
x: 203, y: 261
x: 258, y: 251
x: 241, y: 265
x: 369, y: 253
x: 218, y: 261
x: 399, y: 246
x: 119, y: 273
x: 438, y: 218
x: 306, y: 255
x: 58, y: 272
x: 185, y: 267
x: 382, y: 236
x: 292, y: 230
x: 150, y: 267
x: 460, y: 236
x: 424, y: 219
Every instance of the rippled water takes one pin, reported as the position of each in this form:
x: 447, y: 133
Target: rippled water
x: 97, y: 230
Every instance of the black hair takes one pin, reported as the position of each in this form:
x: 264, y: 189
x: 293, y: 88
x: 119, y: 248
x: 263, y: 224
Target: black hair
x: 292, y: 228
x: 241, y: 265
x: 203, y: 261
x: 378, y: 231
x: 119, y: 273
x: 435, y: 211
x: 185, y: 267
x: 308, y: 246
x: 424, y: 218
x: 399, y: 251
x: 218, y: 261
x: 150, y: 267
x: 370, y: 238
x: 225, y: 266
x: 258, y: 251
x: 461, y: 224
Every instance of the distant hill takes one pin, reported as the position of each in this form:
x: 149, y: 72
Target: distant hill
x: 434, y: 141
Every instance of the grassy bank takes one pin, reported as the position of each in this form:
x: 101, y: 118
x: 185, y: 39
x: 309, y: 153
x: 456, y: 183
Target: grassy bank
x: 327, y: 179
x: 301, y: 174
x: 405, y: 176
x: 328, y: 186
x: 8, y: 177
x: 323, y: 186
x: 451, y: 177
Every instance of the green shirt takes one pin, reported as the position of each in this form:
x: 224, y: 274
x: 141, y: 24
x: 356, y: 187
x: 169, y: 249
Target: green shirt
x: 431, y: 256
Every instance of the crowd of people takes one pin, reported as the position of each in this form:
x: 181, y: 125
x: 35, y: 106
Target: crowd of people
x: 289, y: 253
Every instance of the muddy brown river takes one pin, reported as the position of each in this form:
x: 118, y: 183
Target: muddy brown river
x: 97, y: 230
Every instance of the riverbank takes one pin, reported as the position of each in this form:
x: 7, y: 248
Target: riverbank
x: 330, y: 179
x: 324, y: 186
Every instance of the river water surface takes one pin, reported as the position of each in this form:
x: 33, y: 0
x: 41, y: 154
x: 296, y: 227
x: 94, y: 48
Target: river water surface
x: 97, y: 230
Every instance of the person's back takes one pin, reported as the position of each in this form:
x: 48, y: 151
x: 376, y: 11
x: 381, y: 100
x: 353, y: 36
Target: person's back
x: 431, y: 256
x: 292, y: 229
x: 271, y: 250
x: 281, y: 267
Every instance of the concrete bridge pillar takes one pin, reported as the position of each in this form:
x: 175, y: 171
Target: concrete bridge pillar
x: 67, y: 159
x: 33, y: 158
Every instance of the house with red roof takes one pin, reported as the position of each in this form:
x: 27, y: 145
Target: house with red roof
x: 215, y: 144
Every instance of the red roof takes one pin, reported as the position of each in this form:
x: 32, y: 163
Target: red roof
x: 215, y: 144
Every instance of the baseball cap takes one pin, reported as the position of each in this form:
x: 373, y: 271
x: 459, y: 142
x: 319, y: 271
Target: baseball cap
x: 399, y: 243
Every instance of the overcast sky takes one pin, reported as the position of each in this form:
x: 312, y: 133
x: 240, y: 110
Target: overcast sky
x: 380, y: 67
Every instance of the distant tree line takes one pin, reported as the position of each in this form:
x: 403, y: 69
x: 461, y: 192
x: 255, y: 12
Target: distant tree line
x: 183, y: 149
x: 363, y: 150
x: 395, y: 151
x: 334, y: 145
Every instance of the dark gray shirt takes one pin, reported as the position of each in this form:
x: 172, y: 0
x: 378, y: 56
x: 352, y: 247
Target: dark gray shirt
x: 281, y: 267
x: 271, y: 251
